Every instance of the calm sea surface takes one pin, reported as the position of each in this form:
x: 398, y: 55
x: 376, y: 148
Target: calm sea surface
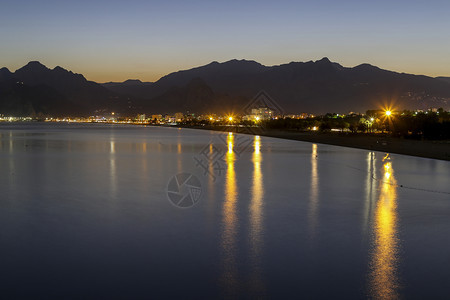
x: 120, y: 212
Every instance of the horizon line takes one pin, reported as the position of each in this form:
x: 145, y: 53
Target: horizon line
x: 68, y: 68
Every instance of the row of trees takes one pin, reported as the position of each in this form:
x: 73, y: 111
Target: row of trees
x: 428, y: 125
x: 407, y: 124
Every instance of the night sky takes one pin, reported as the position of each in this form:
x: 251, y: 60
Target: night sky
x: 116, y: 40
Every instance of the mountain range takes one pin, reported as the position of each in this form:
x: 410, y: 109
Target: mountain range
x: 317, y: 87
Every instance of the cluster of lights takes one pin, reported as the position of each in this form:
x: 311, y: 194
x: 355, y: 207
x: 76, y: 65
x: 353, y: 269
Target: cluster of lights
x: 14, y: 119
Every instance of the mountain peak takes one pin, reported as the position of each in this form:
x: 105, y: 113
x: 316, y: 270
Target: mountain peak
x: 366, y: 66
x: 5, y: 74
x: 324, y: 60
x: 34, y: 66
x: 5, y: 71
x: 35, y: 63
x: 59, y: 69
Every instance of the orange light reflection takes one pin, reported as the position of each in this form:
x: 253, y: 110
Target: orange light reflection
x: 384, y: 278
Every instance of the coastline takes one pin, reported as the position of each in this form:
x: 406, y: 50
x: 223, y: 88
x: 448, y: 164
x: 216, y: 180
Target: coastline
x: 383, y: 143
x: 439, y: 149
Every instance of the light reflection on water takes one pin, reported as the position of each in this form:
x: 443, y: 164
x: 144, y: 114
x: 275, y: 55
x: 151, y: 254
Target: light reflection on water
x: 211, y: 189
x: 113, y: 168
x: 179, y: 156
x: 314, y: 191
x: 384, y: 282
x: 250, y: 235
x: 256, y: 221
x: 230, y: 223
x: 370, y: 192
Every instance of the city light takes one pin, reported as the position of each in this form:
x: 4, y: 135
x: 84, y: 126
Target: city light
x: 388, y: 113
x: 230, y: 118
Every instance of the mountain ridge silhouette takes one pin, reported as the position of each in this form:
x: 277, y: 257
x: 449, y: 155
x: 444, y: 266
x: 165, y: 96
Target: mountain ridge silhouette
x: 318, y: 87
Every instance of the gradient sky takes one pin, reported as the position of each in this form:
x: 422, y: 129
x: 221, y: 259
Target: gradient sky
x: 116, y: 40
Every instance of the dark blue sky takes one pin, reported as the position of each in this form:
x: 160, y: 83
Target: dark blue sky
x: 116, y: 40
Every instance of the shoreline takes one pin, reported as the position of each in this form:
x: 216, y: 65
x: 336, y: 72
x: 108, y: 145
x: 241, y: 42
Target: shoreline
x: 439, y: 149
x: 378, y: 142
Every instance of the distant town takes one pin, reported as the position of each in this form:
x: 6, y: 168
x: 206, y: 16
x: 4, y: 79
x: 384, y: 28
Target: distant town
x: 433, y: 123
x: 256, y: 115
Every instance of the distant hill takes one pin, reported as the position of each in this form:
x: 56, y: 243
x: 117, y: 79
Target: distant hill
x: 133, y: 87
x: 446, y: 79
x: 35, y: 89
x: 319, y: 87
x: 5, y: 74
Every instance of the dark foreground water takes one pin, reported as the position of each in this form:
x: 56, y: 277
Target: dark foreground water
x: 94, y: 212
